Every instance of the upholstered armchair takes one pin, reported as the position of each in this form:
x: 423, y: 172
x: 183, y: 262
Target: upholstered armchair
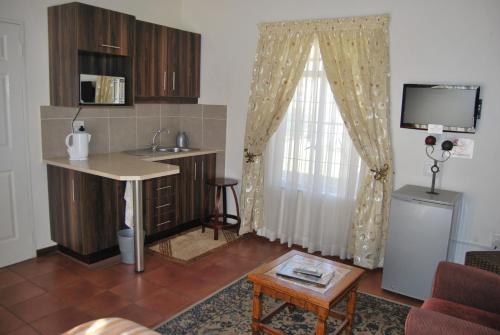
x: 465, y: 300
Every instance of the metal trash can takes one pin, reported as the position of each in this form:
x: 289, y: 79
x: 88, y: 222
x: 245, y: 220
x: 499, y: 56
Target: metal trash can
x: 126, y: 244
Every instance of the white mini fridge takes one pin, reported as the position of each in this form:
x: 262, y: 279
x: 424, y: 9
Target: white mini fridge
x: 420, y: 225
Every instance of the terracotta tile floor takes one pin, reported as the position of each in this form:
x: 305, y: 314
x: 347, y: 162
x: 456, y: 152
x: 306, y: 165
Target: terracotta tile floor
x: 53, y: 293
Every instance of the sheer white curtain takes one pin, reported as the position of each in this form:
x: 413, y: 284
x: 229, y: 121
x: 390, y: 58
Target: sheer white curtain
x: 312, y: 170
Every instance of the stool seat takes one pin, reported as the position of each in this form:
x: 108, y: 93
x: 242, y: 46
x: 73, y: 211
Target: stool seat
x: 220, y: 219
x: 224, y: 182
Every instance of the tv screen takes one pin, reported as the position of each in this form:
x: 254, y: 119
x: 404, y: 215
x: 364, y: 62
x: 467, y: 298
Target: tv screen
x: 455, y: 107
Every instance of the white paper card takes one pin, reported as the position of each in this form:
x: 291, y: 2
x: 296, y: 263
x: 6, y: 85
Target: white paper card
x: 435, y: 128
x: 462, y: 148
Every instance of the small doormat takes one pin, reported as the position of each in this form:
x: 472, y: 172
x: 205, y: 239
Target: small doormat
x: 192, y: 244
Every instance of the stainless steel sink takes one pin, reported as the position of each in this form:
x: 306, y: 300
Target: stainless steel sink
x: 173, y: 149
x: 159, y: 150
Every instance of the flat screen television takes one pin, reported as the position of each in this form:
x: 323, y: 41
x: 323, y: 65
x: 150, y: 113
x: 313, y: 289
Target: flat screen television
x: 455, y: 107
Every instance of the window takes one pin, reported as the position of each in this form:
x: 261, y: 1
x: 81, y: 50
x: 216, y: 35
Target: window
x: 312, y: 170
x: 316, y: 142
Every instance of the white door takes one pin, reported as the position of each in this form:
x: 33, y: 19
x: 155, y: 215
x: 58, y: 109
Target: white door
x: 16, y: 226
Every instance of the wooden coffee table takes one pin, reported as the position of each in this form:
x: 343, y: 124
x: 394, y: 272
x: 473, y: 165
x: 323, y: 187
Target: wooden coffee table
x: 320, y: 301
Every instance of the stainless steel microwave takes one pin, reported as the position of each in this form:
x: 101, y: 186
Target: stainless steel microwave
x: 95, y: 89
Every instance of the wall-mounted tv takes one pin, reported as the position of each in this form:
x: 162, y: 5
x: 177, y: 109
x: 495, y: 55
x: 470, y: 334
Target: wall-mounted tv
x: 455, y: 107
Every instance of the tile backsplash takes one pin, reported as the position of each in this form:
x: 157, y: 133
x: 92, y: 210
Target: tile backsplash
x: 117, y: 129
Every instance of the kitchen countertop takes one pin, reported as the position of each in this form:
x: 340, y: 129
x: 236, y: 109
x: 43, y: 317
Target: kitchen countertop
x: 122, y: 166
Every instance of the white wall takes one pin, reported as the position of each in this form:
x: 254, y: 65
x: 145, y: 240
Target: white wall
x: 445, y: 41
x: 33, y: 13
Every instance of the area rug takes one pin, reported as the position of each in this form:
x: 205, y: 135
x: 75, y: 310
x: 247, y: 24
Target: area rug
x: 230, y: 312
x: 192, y: 244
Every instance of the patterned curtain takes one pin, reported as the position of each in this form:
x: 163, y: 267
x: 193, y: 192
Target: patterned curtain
x: 355, y: 53
x: 279, y: 64
x: 356, y: 58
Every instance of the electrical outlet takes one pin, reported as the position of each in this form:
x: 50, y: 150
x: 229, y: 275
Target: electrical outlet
x: 495, y: 243
x: 77, y: 124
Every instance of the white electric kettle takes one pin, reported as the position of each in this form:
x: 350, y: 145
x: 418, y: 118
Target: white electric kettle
x: 79, y: 148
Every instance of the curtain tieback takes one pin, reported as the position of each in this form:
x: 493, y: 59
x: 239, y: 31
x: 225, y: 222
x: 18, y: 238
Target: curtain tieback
x: 380, y: 174
x: 249, y: 157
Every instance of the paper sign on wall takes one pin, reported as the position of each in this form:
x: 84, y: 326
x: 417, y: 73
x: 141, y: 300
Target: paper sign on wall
x: 462, y: 148
x: 435, y: 128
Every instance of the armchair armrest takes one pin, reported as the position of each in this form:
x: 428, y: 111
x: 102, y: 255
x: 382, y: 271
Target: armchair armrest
x: 426, y: 322
x: 467, y: 286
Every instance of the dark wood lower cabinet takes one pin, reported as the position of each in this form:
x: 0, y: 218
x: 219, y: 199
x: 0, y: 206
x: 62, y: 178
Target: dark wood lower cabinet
x: 86, y: 211
x: 194, y: 172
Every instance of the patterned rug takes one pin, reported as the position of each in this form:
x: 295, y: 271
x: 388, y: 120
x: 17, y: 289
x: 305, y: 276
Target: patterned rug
x: 192, y: 244
x: 230, y: 312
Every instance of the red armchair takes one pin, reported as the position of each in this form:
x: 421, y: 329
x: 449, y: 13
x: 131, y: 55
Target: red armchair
x: 465, y: 300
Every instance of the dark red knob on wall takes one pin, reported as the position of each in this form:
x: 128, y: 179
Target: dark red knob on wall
x: 430, y: 140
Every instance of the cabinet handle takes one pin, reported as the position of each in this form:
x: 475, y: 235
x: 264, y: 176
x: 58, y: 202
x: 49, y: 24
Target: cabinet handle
x: 202, y: 170
x: 164, y: 187
x: 73, y: 189
x: 194, y: 170
x: 165, y: 205
x: 161, y: 224
x: 110, y: 46
x: 164, y: 81
x: 173, y: 80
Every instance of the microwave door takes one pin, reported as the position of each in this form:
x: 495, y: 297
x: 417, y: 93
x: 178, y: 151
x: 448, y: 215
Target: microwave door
x: 87, y: 92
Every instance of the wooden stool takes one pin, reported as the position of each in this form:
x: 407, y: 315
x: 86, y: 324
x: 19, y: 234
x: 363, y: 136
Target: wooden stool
x: 218, y: 220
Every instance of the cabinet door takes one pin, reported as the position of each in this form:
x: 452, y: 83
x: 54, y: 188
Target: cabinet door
x: 189, y: 167
x: 198, y: 186
x: 181, y: 54
x: 170, y: 61
x: 150, y: 81
x: 64, y: 223
x: 203, y: 196
x: 188, y: 64
x: 86, y: 211
x: 105, y: 31
x: 101, y: 211
x: 208, y: 193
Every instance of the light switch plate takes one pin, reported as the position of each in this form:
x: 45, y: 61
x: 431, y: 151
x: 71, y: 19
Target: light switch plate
x: 77, y: 124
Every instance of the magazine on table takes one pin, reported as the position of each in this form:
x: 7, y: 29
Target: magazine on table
x: 308, y: 271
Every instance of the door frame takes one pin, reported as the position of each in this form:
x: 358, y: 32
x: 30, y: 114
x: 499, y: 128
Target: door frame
x: 27, y: 149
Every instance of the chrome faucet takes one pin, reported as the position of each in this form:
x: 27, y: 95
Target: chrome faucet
x: 155, y: 146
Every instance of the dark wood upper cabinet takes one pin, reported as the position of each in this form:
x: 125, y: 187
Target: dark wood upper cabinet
x: 105, y: 31
x: 167, y: 64
x: 159, y: 64
x: 88, y: 40
x: 188, y: 64
x: 148, y: 55
x: 170, y: 46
